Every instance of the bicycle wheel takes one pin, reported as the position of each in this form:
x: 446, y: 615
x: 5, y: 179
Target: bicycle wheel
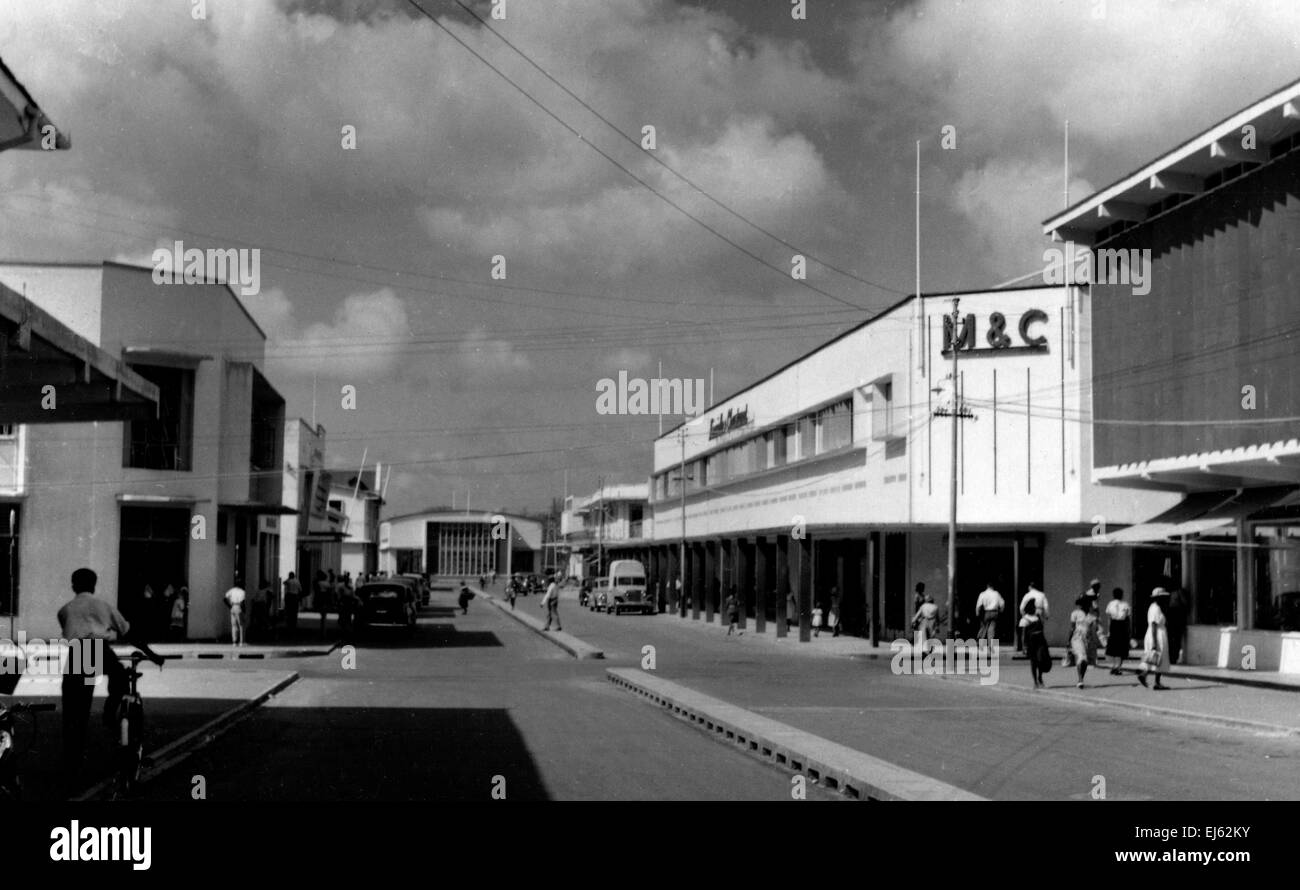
x: 130, y: 744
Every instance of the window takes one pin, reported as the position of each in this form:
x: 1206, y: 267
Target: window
x: 791, y: 444
x: 10, y: 523
x: 835, y: 426
x: 221, y: 526
x: 807, y: 437
x: 8, y: 430
x: 164, y: 442
x: 884, y: 419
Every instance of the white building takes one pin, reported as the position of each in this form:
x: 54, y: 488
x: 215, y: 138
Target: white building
x: 612, y: 516
x: 833, y: 472
x: 359, y: 505
x: 458, y: 544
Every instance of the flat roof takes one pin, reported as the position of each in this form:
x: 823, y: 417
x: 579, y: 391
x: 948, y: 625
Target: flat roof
x: 1184, y: 169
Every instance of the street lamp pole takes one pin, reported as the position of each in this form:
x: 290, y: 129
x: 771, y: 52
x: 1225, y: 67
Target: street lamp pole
x: 952, y: 479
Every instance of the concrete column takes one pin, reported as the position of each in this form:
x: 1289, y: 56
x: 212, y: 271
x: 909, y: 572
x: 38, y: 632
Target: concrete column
x: 782, y: 580
x: 744, y: 579
x: 726, y: 574
x: 761, y: 585
x: 697, y: 579
x: 1245, y: 578
x: 710, y: 578
x: 801, y: 582
x: 673, y: 574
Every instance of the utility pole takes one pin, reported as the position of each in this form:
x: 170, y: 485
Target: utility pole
x: 681, y: 546
x: 600, y: 532
x: 957, y: 412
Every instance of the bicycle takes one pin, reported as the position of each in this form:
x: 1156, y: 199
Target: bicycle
x: 10, y: 784
x: 129, y: 721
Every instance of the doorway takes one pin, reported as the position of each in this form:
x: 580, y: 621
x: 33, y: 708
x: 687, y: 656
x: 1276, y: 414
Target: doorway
x: 152, y: 557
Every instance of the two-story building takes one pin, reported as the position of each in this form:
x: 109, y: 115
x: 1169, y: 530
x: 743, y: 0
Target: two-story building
x: 834, y: 471
x: 359, y: 505
x: 1197, y: 390
x: 612, y: 522
x: 162, y: 502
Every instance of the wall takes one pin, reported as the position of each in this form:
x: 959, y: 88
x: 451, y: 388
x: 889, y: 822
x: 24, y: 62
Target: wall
x: 1221, y: 314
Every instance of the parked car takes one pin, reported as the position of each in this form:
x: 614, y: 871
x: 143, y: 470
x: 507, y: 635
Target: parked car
x: 625, y: 589
x: 535, y: 584
x: 388, y: 602
x: 421, y: 587
x: 596, y: 599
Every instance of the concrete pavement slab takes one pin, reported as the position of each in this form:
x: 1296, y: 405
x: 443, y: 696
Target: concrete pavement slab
x: 837, y: 766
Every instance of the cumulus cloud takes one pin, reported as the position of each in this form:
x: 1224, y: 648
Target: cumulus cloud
x: 485, y: 355
x: 364, y: 338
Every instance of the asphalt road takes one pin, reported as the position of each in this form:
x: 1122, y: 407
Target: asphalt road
x: 440, y: 716
x: 998, y: 744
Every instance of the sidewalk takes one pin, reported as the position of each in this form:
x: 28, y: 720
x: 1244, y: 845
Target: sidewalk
x: 528, y: 617
x: 181, y: 705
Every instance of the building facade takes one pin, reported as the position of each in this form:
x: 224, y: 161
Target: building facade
x: 834, y: 472
x: 1197, y: 392
x: 614, y: 517
x: 454, y: 544
x: 152, y: 504
x: 359, y: 506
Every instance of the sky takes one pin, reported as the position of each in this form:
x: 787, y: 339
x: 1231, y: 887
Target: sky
x: 221, y: 123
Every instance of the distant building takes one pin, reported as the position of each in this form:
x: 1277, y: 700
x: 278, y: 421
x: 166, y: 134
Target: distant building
x: 458, y: 544
x: 612, y: 516
x: 312, y: 540
x: 359, y: 506
x: 173, y: 500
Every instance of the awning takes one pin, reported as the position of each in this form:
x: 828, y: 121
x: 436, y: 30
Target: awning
x: 1196, y: 514
x: 48, y: 374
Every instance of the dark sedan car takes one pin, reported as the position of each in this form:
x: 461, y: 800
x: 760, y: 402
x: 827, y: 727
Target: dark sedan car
x: 393, y: 601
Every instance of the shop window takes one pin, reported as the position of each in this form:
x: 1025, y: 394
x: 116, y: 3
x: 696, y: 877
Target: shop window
x: 10, y: 547
x: 164, y: 442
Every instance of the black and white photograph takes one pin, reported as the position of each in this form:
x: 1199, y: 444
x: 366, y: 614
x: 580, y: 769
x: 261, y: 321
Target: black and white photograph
x: 408, y: 405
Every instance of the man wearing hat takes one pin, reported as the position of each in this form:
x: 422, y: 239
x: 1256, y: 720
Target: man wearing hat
x: 1155, y: 644
x: 1094, y: 589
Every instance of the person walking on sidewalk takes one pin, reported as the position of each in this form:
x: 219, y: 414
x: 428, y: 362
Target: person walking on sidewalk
x: 1119, y: 630
x: 1083, y: 636
x: 733, y: 613
x: 833, y: 617
x: 1155, y: 655
x: 1039, y: 599
x: 551, y: 601
x: 925, y: 623
x: 235, y: 598
x: 465, y: 597
x: 324, y: 598
x: 817, y: 619
x: 292, y: 596
x: 988, y: 607
x: 1040, y: 659
x: 791, y: 611
x: 176, y: 631
x: 511, y: 592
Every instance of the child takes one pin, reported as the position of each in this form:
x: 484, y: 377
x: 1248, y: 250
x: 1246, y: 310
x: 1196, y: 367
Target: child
x: 817, y: 621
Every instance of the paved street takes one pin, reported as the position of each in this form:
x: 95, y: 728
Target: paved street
x: 469, y: 698
x: 480, y: 695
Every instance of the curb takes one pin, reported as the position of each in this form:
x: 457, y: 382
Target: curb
x: 569, y: 643
x: 196, y: 737
x: 1150, y: 710
x: 235, y: 654
x: 837, y: 767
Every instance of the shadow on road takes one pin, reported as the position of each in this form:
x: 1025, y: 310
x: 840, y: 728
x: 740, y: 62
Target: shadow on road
x: 427, y: 635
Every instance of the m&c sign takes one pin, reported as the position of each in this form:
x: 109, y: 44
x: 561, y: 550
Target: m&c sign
x: 996, y: 337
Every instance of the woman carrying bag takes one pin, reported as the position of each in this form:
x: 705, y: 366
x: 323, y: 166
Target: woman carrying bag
x: 1155, y: 644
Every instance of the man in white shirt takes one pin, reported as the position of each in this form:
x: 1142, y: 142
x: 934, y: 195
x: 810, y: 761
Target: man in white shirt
x: 552, y: 603
x: 235, y: 597
x: 987, y: 608
x: 1039, y: 599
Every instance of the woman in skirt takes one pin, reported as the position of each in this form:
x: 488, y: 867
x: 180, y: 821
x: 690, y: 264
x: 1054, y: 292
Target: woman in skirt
x: 1119, y: 630
x: 1040, y: 659
x: 1084, y: 641
x: 1155, y: 644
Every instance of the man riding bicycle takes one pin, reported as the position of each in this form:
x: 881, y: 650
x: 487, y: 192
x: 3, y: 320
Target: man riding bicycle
x: 87, y: 618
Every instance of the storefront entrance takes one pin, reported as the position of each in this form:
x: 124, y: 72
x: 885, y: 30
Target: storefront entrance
x: 154, y: 554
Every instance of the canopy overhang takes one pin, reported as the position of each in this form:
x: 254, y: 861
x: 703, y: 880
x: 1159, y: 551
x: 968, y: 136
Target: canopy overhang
x: 1196, y: 514
x: 49, y: 374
